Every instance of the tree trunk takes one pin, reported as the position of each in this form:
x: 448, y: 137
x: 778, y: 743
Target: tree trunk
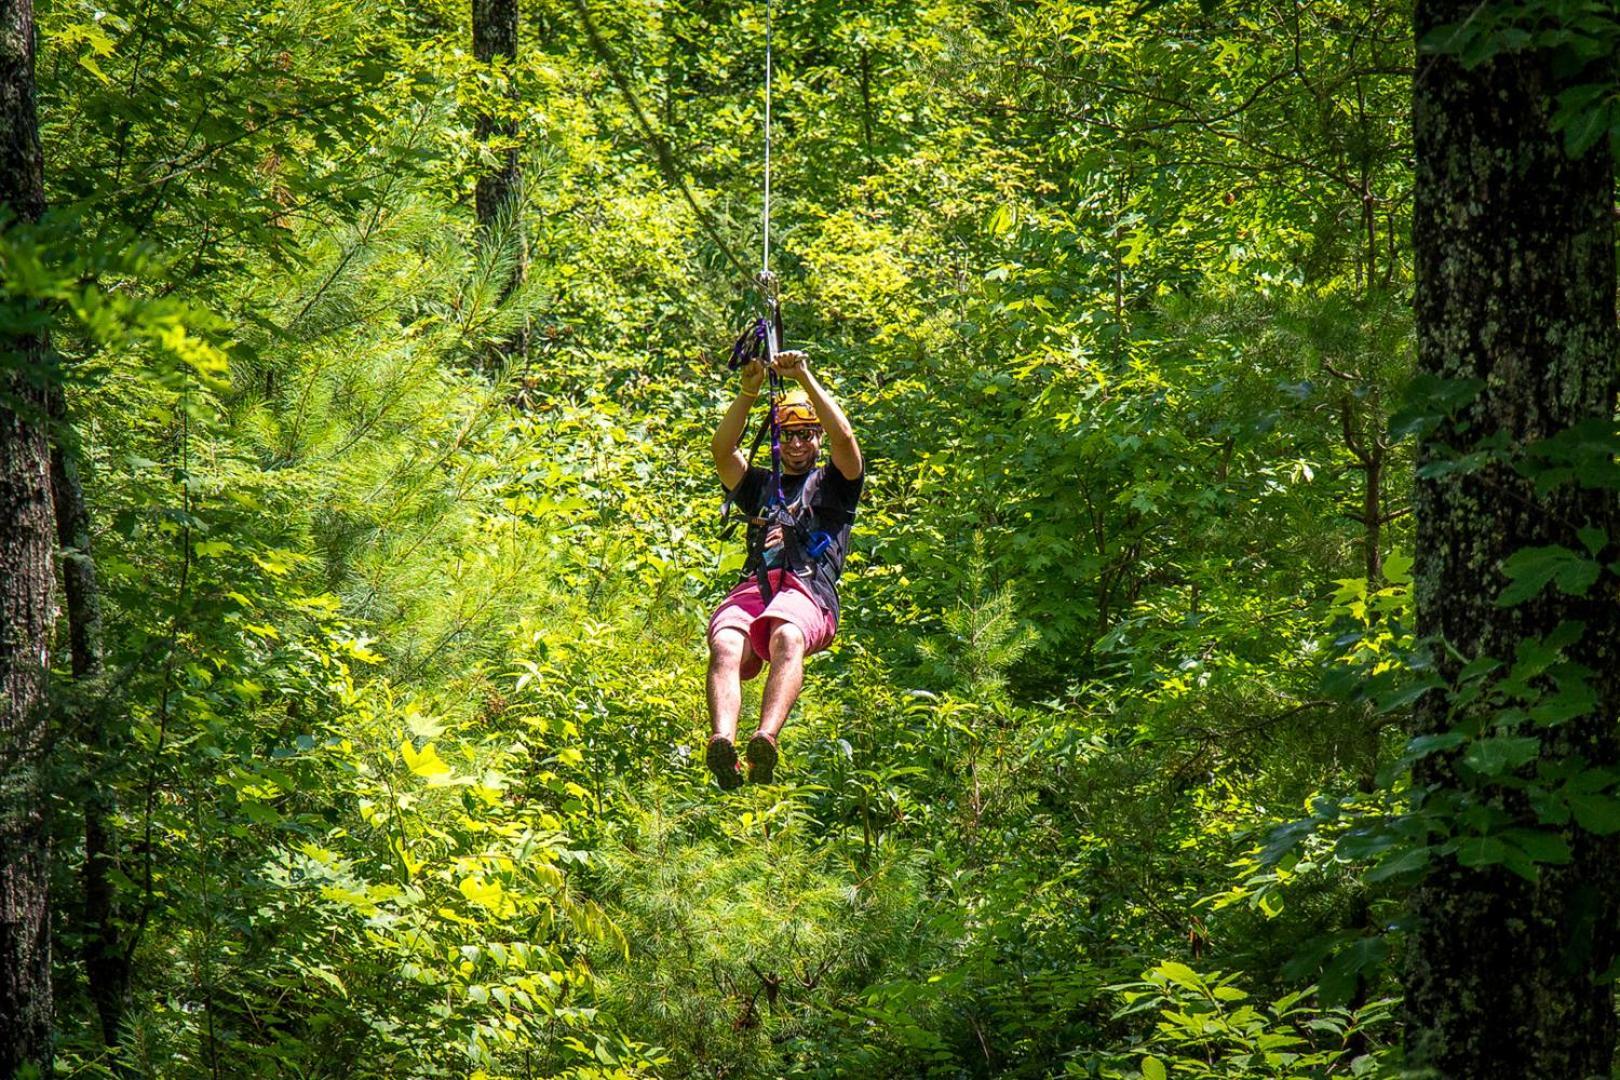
x: 1514, y: 244
x: 106, y: 963
x: 26, y: 579
x: 498, y: 196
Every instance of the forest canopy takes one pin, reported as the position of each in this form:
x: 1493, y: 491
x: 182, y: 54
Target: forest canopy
x: 1225, y: 647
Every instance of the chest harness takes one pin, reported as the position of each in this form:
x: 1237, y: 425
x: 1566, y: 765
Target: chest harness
x: 806, y: 541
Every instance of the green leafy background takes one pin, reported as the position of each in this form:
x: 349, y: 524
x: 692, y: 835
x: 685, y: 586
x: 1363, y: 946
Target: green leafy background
x: 405, y: 694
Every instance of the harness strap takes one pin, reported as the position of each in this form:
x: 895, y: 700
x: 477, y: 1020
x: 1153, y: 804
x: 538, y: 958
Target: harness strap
x: 802, y: 545
x: 754, y: 343
x: 769, y: 329
x: 728, y: 521
x: 775, y: 500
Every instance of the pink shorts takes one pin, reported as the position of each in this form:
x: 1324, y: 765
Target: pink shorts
x: 745, y: 610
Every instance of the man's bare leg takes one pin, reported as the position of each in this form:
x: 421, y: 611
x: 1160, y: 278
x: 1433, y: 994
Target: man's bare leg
x: 781, y: 691
x: 726, y: 654
x: 786, y: 677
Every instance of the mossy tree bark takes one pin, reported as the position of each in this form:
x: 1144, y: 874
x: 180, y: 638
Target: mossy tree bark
x: 26, y: 580
x: 1515, y: 256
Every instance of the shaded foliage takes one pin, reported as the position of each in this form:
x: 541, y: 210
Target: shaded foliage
x: 1103, y: 775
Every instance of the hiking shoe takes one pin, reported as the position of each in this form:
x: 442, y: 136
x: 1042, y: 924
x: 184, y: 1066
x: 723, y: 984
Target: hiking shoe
x: 761, y: 758
x: 722, y: 761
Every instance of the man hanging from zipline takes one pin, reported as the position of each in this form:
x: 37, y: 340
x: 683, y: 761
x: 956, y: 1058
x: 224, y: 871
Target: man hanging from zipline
x: 799, y: 516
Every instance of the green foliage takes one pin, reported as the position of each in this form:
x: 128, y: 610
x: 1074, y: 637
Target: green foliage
x: 749, y: 934
x: 405, y: 667
x: 982, y: 636
x: 1208, y: 1027
x: 1579, y: 37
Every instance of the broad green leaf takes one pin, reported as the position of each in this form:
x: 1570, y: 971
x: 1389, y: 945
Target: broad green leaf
x: 1501, y: 754
x: 427, y: 763
x: 1596, y: 813
x: 1424, y: 745
x: 1180, y: 974
x: 1477, y: 851
x: 1399, y: 864
x: 1532, y: 569
x: 488, y: 894
x: 1539, y: 845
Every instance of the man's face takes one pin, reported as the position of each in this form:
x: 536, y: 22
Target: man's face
x: 800, y: 446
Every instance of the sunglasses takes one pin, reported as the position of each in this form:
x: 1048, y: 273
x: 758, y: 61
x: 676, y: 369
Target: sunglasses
x: 801, y: 434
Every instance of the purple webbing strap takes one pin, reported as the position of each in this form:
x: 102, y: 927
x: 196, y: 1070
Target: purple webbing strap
x: 776, y: 443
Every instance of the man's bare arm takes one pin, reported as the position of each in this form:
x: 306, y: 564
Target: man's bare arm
x: 728, y: 456
x: 841, y: 445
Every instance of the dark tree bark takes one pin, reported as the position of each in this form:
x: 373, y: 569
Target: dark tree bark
x: 1369, y: 449
x: 26, y: 580
x: 82, y: 594
x: 106, y: 961
x: 495, y: 35
x: 1514, y: 245
x: 498, y: 196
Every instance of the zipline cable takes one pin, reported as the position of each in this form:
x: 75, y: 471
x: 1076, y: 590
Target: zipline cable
x: 765, y: 222
x: 661, y: 150
x: 773, y: 318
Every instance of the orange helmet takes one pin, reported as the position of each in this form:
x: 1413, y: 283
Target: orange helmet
x: 796, y: 410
